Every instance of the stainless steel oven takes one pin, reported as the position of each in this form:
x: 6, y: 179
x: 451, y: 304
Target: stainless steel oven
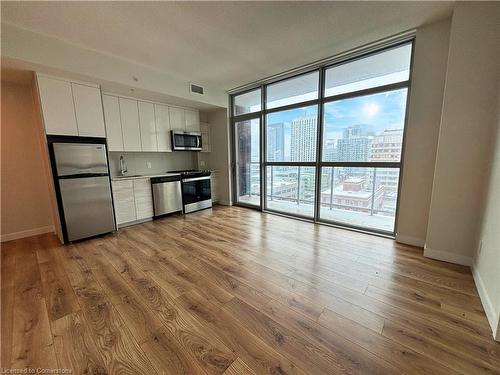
x: 186, y: 141
x: 196, y: 191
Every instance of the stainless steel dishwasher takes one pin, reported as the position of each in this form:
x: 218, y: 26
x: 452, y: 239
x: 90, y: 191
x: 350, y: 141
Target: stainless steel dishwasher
x: 167, y: 194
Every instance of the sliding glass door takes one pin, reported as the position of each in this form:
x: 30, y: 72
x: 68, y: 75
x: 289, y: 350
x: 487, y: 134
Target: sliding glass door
x: 326, y: 145
x: 247, y: 150
x: 247, y: 134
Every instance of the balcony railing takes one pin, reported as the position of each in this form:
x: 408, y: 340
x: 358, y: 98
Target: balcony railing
x: 253, y: 173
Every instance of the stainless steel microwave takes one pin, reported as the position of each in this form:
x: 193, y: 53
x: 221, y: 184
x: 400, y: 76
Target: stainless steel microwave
x: 186, y: 141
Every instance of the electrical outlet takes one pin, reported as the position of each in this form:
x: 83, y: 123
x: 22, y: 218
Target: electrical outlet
x: 148, y: 163
x: 202, y: 163
x: 480, y: 247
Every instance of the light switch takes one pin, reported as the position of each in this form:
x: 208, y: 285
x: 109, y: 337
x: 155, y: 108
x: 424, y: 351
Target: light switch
x: 148, y: 163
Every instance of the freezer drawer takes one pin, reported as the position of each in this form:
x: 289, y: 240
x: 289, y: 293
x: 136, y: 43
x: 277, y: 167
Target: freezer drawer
x: 80, y: 158
x: 88, y: 208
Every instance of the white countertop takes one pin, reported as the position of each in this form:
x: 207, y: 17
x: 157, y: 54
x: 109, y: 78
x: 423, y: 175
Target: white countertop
x: 134, y: 177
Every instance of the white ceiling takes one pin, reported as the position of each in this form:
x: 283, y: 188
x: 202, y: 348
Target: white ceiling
x: 222, y: 44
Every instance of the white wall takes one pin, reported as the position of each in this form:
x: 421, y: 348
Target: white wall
x: 486, y: 266
x: 25, y: 204
x: 466, y: 127
x: 219, y: 158
x: 422, y: 131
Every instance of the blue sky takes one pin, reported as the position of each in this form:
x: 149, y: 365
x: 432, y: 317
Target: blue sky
x: 376, y: 112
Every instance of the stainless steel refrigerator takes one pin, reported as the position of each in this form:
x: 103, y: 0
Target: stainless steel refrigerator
x: 83, y: 188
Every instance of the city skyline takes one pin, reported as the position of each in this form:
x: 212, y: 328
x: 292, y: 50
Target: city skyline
x: 374, y: 114
x: 360, y: 129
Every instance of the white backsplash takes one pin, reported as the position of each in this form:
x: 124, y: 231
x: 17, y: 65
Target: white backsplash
x: 159, y: 162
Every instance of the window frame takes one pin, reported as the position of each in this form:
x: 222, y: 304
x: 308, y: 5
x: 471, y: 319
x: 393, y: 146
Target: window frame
x: 292, y: 105
x: 319, y: 164
x: 234, y: 159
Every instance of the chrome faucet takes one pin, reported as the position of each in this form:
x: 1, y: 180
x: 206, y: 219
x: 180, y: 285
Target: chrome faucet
x: 123, y: 166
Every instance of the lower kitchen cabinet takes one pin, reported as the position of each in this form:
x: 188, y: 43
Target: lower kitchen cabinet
x: 123, y: 198
x: 143, y: 197
x: 133, y: 200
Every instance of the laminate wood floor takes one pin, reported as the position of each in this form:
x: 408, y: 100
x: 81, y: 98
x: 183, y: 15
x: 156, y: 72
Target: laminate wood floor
x: 236, y: 291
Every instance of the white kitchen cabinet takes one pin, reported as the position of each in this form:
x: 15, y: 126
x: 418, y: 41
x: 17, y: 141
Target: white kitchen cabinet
x: 177, y: 118
x: 88, y: 110
x: 163, y: 128
x: 130, y: 125
x: 206, y: 143
x: 147, y: 126
x: 124, y: 201
x: 136, y: 125
x: 192, y: 119
x: 113, y: 123
x: 57, y: 106
x: 143, y: 198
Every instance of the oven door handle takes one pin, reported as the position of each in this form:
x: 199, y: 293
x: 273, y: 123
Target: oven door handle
x: 196, y: 179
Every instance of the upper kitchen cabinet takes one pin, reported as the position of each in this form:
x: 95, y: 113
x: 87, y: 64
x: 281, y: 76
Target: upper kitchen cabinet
x: 177, y: 118
x: 162, y: 118
x: 130, y: 124
x: 206, y: 142
x: 70, y: 108
x: 139, y: 125
x: 192, y: 119
x: 148, y: 127
x: 113, y: 123
x: 88, y: 109
x: 184, y: 119
x: 57, y: 106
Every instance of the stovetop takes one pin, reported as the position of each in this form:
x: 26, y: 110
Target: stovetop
x: 192, y: 172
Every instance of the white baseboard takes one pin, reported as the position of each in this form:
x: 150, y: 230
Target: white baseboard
x: 225, y: 203
x: 493, y: 317
x: 447, y: 256
x: 409, y: 240
x: 27, y: 233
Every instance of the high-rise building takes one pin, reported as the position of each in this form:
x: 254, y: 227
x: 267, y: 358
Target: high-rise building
x: 353, y: 146
x: 303, y: 139
x: 276, y: 142
x: 330, y: 151
x: 244, y: 144
x: 387, y: 146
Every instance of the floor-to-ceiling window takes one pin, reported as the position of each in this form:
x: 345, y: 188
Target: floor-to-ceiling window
x: 326, y: 144
x: 247, y: 155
